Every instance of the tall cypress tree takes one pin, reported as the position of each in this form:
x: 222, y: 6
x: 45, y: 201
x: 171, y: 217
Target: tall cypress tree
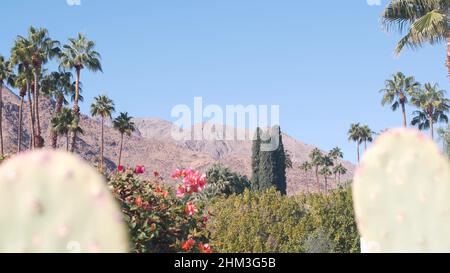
x: 280, y: 163
x: 269, y: 166
x: 256, y: 148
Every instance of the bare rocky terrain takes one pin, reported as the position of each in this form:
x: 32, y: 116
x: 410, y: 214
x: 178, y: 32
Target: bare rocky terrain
x: 154, y: 147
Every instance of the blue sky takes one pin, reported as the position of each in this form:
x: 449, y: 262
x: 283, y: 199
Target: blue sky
x: 323, y: 62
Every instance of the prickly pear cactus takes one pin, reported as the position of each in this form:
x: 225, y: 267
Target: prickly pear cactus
x: 402, y: 195
x: 54, y: 202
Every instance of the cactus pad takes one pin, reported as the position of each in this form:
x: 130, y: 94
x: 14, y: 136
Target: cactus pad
x: 402, y: 195
x: 54, y: 202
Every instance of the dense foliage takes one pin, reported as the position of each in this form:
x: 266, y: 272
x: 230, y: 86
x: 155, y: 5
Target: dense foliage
x: 269, y: 222
x: 158, y: 219
x: 223, y: 181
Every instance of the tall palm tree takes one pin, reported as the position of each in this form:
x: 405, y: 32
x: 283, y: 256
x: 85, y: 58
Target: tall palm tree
x: 57, y: 86
x: 77, y: 55
x: 42, y: 49
x: 306, y: 167
x: 354, y: 134
x: 124, y: 124
x: 20, y: 83
x: 335, y: 154
x: 338, y: 171
x: 444, y: 136
x: 325, y: 171
x: 5, y: 75
x: 433, y: 107
x: 366, y: 136
x: 102, y: 107
x: 425, y: 21
x: 397, y: 91
x: 21, y: 57
x: 316, y: 157
x: 65, y: 122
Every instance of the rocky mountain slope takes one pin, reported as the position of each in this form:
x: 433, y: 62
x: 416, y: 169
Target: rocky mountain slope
x: 154, y: 147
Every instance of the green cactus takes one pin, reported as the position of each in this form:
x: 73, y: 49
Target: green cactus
x: 402, y: 195
x: 54, y: 202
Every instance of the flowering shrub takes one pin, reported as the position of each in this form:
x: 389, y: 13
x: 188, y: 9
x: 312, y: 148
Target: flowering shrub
x: 159, y: 219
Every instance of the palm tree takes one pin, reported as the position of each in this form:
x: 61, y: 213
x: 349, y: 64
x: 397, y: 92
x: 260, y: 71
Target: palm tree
x: 103, y: 107
x: 21, y: 57
x: 124, y: 124
x: 444, y: 136
x: 325, y: 171
x: 335, y: 154
x: 20, y: 82
x: 316, y: 157
x: 339, y: 170
x: 57, y: 86
x: 65, y: 122
x: 366, y: 136
x: 396, y: 92
x: 425, y: 21
x: 354, y: 134
x: 306, y: 167
x: 77, y: 55
x: 433, y: 107
x: 5, y: 75
x: 42, y: 49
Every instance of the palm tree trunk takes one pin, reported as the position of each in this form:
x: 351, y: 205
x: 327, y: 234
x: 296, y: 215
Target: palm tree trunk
x: 365, y: 145
x: 431, y: 127
x: 76, y: 108
x: 30, y: 102
x: 67, y: 141
x: 120, y: 150
x: 19, y: 133
x: 103, y: 129
x: 448, y: 54
x: 339, y: 178
x: 405, y: 123
x: 40, y: 142
x: 59, y: 104
x: 326, y: 184
x: 359, y: 157
x: 1, y: 118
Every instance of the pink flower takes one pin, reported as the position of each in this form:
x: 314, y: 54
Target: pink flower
x: 205, y: 219
x: 204, y: 248
x: 155, y: 174
x: 139, y: 170
x: 120, y: 169
x: 181, y: 191
x: 176, y: 174
x: 190, y: 210
x: 186, y: 246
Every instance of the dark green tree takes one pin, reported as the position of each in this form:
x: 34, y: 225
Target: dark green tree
x: 271, y: 170
x: 256, y: 148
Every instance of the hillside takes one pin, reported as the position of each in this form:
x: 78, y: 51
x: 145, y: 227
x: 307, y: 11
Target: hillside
x: 154, y: 147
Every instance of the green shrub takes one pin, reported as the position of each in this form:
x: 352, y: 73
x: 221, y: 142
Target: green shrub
x: 223, y: 181
x: 258, y: 222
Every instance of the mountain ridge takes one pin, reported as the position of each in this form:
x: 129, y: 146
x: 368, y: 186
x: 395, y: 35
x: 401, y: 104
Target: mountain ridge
x: 153, y: 146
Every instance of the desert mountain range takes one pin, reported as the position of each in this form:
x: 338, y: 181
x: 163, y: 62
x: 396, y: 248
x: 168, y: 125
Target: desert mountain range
x: 153, y: 146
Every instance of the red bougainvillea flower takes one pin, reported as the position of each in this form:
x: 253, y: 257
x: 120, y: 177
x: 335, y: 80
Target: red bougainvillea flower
x: 138, y: 201
x: 193, y: 181
x: 155, y: 174
x: 205, y: 219
x: 120, y: 169
x: 204, y: 248
x: 181, y: 191
x: 139, y: 170
x: 190, y: 210
x: 152, y: 227
x: 186, y: 246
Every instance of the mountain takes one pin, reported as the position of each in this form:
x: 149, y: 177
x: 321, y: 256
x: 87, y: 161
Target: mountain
x: 154, y: 147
